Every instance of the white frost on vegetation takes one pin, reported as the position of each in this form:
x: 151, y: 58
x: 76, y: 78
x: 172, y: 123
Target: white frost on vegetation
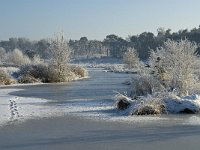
x: 173, y: 104
x: 9, y: 70
x: 24, y: 108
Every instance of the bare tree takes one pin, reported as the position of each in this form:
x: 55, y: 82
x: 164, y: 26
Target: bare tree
x: 175, y: 63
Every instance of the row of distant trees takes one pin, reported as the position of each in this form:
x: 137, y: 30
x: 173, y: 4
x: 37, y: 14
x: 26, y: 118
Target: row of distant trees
x: 112, y: 45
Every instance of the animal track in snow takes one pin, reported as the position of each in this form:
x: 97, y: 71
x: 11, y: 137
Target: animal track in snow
x: 14, y: 113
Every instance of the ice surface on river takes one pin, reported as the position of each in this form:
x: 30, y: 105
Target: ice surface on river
x: 91, y: 99
x: 16, y: 109
x: 102, y: 110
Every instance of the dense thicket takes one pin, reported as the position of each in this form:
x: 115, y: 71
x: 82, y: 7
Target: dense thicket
x: 112, y: 45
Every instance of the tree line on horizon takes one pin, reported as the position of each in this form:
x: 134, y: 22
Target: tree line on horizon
x: 112, y: 45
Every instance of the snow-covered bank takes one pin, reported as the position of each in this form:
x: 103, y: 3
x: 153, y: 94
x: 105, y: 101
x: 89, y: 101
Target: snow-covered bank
x: 107, y: 63
x: 14, y: 108
x: 188, y: 104
x: 18, y: 109
x: 153, y: 106
x: 90, y: 99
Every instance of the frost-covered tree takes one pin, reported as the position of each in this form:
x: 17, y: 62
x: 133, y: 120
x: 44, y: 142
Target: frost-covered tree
x: 2, y: 53
x: 16, y: 57
x: 174, y: 64
x: 131, y: 58
x: 60, y: 56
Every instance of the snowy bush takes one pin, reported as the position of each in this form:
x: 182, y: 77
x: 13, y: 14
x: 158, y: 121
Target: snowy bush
x: 148, y: 105
x: 10, y: 70
x: 16, y: 57
x: 5, y: 79
x: 160, y: 86
x: 79, y: 71
x: 151, y: 104
x: 33, y: 73
x: 131, y: 58
x: 60, y: 56
x: 2, y: 54
x: 143, y: 86
x: 43, y: 73
x: 175, y: 65
x: 56, y: 69
x: 37, y: 60
x: 55, y: 75
x: 28, y: 79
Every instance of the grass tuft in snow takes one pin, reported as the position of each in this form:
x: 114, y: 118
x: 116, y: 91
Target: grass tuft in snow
x: 5, y: 78
x: 79, y: 71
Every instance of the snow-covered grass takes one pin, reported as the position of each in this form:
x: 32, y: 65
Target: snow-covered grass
x: 187, y: 104
x: 79, y: 71
x: 6, y: 78
x: 153, y: 105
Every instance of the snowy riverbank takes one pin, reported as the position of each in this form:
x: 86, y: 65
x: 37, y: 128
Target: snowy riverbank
x: 86, y: 99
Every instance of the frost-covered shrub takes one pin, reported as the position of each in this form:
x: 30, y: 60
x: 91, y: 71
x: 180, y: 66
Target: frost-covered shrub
x: 79, y: 71
x: 142, y: 85
x: 37, y: 60
x: 148, y: 105
x: 28, y: 79
x: 43, y: 73
x: 131, y: 58
x: 175, y: 64
x: 10, y: 70
x: 33, y: 72
x: 2, y: 54
x: 16, y: 57
x: 57, y: 75
x: 151, y: 105
x: 60, y: 52
x: 5, y: 79
x: 58, y: 68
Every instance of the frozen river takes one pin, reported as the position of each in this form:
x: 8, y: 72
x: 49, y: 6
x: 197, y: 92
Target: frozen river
x: 81, y: 115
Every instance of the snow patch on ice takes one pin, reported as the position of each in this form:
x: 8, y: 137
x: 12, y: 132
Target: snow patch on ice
x: 14, y: 108
x: 193, y: 120
x: 178, y: 105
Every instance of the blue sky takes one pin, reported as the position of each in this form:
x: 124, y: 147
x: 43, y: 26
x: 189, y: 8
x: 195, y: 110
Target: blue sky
x: 37, y: 19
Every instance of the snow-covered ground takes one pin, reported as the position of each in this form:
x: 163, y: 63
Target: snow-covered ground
x: 109, y: 64
x: 18, y: 109
x: 171, y: 104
